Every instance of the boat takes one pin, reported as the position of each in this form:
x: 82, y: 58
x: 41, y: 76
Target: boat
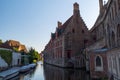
x: 32, y: 66
x: 8, y: 74
x: 27, y: 67
x: 24, y: 68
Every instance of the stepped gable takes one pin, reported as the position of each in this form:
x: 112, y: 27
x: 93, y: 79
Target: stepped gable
x: 60, y: 29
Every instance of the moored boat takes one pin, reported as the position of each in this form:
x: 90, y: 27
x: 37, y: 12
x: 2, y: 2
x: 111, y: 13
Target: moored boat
x: 24, y: 68
x: 27, y: 67
x: 32, y: 66
x: 5, y: 75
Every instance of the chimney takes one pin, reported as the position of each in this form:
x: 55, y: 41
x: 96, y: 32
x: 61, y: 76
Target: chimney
x: 75, y: 8
x: 101, y: 5
x: 59, y: 24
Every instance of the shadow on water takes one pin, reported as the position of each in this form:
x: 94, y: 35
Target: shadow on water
x: 56, y: 73
x: 49, y: 72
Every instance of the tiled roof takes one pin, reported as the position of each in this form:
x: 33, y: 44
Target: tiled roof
x: 11, y: 44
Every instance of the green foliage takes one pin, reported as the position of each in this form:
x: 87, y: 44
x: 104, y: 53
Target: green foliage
x: 15, y: 49
x: 1, y: 41
x: 6, y: 55
x: 34, y: 61
x: 33, y: 55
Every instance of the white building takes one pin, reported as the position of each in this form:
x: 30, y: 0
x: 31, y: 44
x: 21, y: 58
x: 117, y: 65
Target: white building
x: 16, y: 59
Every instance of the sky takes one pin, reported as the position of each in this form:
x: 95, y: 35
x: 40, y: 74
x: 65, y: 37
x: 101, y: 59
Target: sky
x: 31, y: 21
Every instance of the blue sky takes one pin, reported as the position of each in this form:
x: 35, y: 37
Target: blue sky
x: 32, y: 21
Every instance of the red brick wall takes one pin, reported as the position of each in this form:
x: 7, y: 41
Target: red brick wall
x: 98, y: 74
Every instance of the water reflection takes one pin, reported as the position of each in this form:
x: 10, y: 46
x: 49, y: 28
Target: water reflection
x: 56, y: 73
x: 27, y: 75
x: 34, y: 74
x: 48, y: 72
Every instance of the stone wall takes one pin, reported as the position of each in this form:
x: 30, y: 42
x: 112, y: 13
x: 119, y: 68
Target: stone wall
x: 113, y: 57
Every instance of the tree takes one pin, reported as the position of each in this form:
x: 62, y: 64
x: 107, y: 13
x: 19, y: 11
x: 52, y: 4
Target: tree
x: 33, y: 55
x: 1, y: 41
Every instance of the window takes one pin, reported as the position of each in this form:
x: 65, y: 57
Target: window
x: 113, y: 39
x: 108, y: 34
x: 83, y: 31
x: 98, y: 63
x: 115, y: 6
x: 114, y: 62
x: 69, y: 54
x: 73, y: 30
x: 85, y: 41
x: 118, y: 30
x: 119, y: 4
x: 113, y: 12
x: 94, y: 38
x: 119, y: 64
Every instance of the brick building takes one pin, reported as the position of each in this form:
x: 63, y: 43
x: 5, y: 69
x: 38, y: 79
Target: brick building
x: 104, y: 54
x: 72, y: 44
x: 68, y: 42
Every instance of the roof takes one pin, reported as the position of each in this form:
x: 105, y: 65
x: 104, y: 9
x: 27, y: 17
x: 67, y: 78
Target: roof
x: 100, y: 50
x: 102, y: 15
x: 11, y: 44
x: 61, y: 29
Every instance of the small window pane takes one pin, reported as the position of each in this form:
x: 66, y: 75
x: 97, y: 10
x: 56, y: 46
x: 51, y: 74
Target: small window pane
x: 98, y: 61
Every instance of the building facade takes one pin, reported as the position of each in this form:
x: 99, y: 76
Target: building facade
x: 105, y: 35
x: 65, y: 48
x: 72, y: 44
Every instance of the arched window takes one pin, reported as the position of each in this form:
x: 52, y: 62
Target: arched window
x: 119, y: 4
x: 113, y: 38
x: 98, y: 63
x: 118, y: 30
x: 108, y: 35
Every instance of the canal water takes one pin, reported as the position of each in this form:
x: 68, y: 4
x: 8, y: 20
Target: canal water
x: 48, y: 72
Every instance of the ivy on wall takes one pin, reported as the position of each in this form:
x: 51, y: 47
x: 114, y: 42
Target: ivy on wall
x: 6, y: 55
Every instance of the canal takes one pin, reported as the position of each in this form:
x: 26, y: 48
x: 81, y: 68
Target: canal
x: 48, y: 72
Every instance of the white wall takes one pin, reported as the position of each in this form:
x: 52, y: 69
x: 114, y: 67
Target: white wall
x: 15, y: 57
